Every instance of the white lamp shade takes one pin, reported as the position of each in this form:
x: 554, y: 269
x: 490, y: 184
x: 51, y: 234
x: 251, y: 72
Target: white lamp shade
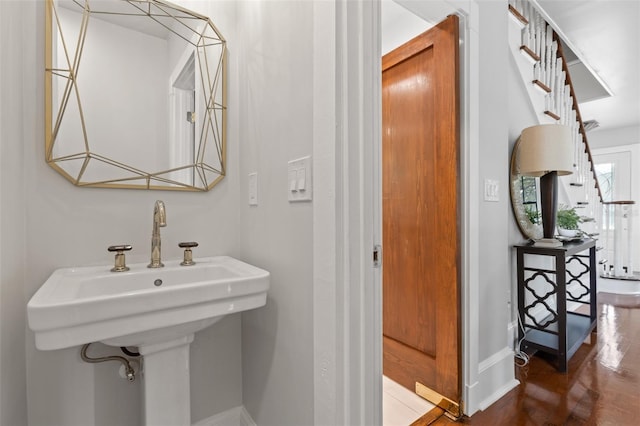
x: 545, y: 148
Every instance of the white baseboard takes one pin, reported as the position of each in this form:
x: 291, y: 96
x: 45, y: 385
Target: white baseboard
x: 236, y: 416
x: 495, y: 379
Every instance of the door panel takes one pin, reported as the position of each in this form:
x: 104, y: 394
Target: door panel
x: 421, y: 237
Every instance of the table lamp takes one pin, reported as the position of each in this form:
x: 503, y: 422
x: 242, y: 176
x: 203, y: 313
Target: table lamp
x: 546, y: 151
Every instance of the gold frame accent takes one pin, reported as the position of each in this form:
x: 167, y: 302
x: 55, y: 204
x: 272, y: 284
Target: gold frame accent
x: 212, y: 131
x: 452, y: 409
x: 528, y: 229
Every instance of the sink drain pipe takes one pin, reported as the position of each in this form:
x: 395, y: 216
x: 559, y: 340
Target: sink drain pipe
x: 125, y: 362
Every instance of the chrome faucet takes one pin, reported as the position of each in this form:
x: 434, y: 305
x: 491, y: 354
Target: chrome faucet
x: 159, y: 220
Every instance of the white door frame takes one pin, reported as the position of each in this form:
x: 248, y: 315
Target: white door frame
x: 348, y: 209
x: 346, y: 156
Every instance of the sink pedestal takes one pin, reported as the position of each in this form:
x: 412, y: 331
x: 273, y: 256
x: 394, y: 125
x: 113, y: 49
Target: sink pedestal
x: 166, y: 382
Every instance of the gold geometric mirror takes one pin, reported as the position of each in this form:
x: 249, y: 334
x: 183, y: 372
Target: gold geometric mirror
x: 135, y: 95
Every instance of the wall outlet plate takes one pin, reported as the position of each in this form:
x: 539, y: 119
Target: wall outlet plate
x: 491, y: 190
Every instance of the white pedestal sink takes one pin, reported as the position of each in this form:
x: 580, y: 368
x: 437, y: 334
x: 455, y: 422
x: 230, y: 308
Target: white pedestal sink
x: 157, y: 310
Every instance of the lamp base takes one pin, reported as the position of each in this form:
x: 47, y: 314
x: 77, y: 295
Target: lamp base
x: 547, y: 243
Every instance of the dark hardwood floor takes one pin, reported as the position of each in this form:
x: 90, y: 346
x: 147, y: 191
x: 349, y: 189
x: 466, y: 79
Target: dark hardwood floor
x: 602, y: 386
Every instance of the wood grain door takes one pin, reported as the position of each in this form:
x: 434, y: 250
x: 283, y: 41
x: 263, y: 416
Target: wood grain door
x: 421, y: 231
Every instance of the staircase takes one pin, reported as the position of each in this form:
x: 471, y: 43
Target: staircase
x: 538, y: 54
x: 537, y: 50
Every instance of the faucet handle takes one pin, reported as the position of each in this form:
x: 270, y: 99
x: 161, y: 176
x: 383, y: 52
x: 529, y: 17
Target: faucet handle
x: 188, y: 255
x: 120, y: 262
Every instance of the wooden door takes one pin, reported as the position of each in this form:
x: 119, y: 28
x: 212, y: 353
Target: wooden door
x: 421, y: 230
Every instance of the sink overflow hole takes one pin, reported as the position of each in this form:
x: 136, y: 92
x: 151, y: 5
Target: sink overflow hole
x: 157, y: 282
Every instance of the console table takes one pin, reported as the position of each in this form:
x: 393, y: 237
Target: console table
x: 543, y: 294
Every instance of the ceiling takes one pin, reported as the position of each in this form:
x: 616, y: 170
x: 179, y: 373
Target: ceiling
x: 605, y: 36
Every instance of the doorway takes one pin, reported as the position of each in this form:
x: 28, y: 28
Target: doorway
x: 614, y: 167
x: 421, y: 208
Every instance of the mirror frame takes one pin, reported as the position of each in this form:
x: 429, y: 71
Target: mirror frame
x: 154, y: 179
x: 528, y: 229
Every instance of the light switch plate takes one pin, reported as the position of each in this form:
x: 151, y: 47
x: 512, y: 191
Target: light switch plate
x: 491, y: 190
x: 253, y: 189
x: 299, y: 182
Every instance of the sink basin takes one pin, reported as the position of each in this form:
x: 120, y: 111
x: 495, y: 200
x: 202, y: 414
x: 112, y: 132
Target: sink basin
x: 142, y: 306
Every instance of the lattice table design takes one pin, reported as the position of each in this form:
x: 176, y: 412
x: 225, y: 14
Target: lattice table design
x: 577, y: 278
x: 543, y: 293
x: 552, y: 316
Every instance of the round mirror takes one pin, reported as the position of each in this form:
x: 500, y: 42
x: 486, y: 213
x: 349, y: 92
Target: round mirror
x: 525, y: 200
x: 135, y: 95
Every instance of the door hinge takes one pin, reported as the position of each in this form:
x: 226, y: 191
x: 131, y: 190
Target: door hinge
x: 377, y: 255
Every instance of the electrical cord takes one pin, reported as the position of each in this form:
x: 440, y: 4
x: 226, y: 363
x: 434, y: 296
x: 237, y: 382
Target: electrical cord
x: 522, y: 358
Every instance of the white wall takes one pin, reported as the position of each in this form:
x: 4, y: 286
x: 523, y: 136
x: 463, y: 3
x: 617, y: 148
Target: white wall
x: 46, y: 223
x: 13, y: 402
x: 490, y: 366
x: 276, y: 98
x: 494, y: 164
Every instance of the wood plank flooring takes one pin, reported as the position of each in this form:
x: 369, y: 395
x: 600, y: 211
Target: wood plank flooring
x: 602, y: 386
